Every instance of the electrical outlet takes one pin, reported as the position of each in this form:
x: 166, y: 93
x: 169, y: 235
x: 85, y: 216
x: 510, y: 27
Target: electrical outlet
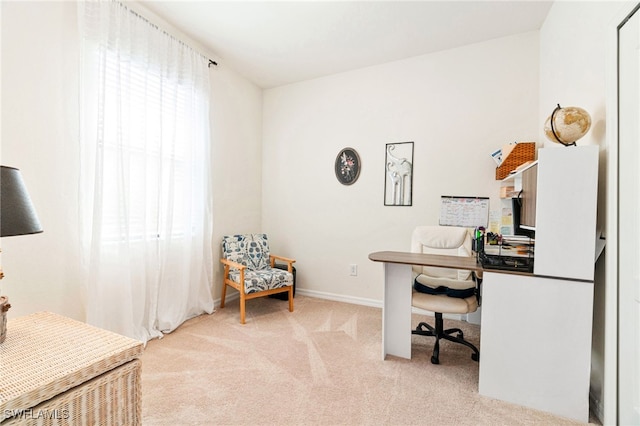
x: 353, y: 270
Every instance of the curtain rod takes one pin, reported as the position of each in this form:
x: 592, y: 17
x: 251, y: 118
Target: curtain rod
x: 167, y: 33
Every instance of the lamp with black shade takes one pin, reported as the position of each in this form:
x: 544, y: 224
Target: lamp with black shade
x: 17, y: 217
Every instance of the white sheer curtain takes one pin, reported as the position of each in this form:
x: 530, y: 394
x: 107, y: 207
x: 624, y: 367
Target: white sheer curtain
x: 144, y: 180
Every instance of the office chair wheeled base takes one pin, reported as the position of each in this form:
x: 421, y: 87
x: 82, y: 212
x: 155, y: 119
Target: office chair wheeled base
x: 424, y: 329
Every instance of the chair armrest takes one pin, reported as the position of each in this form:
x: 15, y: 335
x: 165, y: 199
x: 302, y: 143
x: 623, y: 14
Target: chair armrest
x: 290, y: 262
x: 272, y: 257
x: 233, y: 264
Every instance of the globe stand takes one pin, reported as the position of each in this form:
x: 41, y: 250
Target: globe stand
x: 553, y: 130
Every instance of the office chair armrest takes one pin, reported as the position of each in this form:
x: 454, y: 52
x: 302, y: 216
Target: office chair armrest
x: 477, y: 277
x: 290, y: 262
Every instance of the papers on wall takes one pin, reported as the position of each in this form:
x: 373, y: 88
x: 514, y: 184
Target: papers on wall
x: 495, y: 221
x: 464, y: 211
x: 506, y: 225
x: 497, y: 156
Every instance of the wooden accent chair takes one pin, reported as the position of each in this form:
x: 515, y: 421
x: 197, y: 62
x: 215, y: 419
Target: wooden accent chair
x: 444, y: 290
x: 249, y: 267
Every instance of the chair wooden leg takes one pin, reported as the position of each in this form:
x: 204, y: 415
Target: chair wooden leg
x: 242, y: 310
x: 290, y: 298
x: 224, y: 295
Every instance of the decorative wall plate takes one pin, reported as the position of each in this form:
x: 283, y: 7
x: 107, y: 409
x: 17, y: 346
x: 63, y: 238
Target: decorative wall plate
x: 347, y: 166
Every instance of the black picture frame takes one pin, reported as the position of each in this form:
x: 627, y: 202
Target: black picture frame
x: 398, y: 174
x: 347, y: 166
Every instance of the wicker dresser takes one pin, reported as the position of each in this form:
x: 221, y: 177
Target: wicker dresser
x: 58, y: 371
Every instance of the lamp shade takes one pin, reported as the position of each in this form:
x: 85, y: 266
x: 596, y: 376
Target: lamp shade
x: 17, y: 215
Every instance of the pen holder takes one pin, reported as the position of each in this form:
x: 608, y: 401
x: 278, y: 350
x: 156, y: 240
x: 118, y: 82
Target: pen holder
x: 477, y: 244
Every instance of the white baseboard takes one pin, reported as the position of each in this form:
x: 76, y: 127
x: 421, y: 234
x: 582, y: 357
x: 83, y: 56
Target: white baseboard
x: 346, y: 299
x: 368, y: 302
x: 340, y: 298
x: 231, y: 295
x: 234, y: 295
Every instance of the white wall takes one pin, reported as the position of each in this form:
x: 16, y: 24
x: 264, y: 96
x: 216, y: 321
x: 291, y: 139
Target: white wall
x: 457, y: 106
x: 237, y: 160
x: 39, y: 136
x: 573, y: 69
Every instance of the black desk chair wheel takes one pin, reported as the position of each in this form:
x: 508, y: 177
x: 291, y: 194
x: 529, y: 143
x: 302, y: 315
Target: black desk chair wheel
x: 424, y: 329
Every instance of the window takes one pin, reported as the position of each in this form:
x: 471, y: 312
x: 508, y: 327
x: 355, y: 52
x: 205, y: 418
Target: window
x: 144, y: 183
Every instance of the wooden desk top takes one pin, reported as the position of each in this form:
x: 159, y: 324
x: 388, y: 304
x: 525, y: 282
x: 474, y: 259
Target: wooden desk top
x: 421, y: 259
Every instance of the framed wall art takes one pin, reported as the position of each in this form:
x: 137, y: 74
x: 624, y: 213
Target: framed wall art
x: 347, y: 166
x: 398, y: 176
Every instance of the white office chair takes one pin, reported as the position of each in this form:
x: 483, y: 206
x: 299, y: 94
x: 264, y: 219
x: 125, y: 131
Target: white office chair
x: 443, y: 290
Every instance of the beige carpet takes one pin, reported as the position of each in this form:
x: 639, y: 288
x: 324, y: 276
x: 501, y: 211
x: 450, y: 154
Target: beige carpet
x: 320, y: 365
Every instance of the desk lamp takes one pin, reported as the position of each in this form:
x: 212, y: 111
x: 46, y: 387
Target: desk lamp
x: 17, y: 217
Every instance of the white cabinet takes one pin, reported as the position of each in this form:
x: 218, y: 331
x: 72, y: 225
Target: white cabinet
x: 566, y: 212
x: 535, y: 338
x: 535, y: 342
x: 565, y: 203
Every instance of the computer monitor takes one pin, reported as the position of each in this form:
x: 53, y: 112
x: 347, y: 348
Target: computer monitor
x: 518, y: 228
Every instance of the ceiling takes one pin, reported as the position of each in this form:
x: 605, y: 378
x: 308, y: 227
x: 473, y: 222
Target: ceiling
x: 273, y: 43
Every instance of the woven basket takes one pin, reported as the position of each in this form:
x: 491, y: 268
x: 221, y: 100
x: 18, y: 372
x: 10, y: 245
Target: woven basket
x: 521, y: 153
x: 112, y: 399
x: 46, y: 355
x: 4, y: 307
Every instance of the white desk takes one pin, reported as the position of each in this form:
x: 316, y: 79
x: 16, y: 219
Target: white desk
x: 396, y: 305
x: 535, y: 340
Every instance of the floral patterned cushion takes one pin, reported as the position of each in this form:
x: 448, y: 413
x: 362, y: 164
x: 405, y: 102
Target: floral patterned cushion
x: 252, y: 251
x: 266, y: 279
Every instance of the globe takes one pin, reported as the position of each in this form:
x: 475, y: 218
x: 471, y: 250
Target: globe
x: 569, y: 125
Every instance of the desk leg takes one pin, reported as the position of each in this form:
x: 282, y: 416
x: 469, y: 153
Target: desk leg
x: 396, y: 311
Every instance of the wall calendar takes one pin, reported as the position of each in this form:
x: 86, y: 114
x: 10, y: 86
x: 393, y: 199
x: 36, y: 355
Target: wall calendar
x: 469, y: 212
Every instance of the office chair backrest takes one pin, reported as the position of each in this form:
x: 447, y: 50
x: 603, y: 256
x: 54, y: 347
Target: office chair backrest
x: 444, y: 240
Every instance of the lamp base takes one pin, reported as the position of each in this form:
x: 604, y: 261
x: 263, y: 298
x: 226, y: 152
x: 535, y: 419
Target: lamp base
x: 4, y: 307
